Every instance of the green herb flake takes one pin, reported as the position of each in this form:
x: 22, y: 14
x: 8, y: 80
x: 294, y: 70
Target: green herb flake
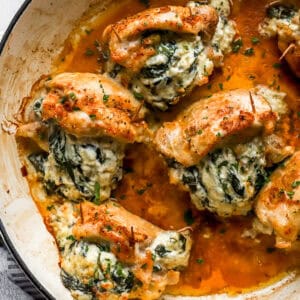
x: 108, y: 227
x: 251, y: 77
x: 276, y: 65
x: 89, y: 52
x: 255, y: 40
x: 188, y: 217
x: 105, y: 98
x: 199, y: 132
x: 228, y: 77
x: 138, y: 96
x: 298, y: 114
x: 221, y: 86
x: 290, y: 194
x: 88, y: 31
x: 63, y: 99
x: 209, y: 86
x: 92, y: 116
x: 71, y: 238
x: 97, y: 193
x: 50, y: 207
x: 72, y: 96
x: 76, y: 108
x: 237, y: 45
x: 249, y: 52
x: 200, y: 261
x: 270, y: 249
x: 218, y: 134
x: 295, y: 184
x: 141, y: 191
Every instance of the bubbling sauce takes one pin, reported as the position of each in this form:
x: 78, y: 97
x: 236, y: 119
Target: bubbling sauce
x: 221, y: 259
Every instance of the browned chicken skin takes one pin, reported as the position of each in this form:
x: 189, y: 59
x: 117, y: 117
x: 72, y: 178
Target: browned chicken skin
x: 129, y: 50
x: 278, y: 204
x: 89, y: 105
x: 111, y: 222
x: 211, y: 122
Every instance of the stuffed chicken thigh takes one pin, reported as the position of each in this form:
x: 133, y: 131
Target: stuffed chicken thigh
x: 278, y: 204
x: 162, y: 53
x: 218, y: 149
x: 81, y: 123
x: 283, y: 21
x: 110, y: 253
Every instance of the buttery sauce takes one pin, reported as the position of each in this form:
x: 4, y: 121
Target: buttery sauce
x: 221, y: 260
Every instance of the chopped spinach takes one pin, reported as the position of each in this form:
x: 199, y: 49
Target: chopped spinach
x: 280, y: 12
x: 38, y: 161
x: 73, y: 283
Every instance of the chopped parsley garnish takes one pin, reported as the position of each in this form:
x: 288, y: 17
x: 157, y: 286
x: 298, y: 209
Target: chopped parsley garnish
x: 188, y: 217
x: 105, y: 98
x: 295, y: 184
x: 277, y: 65
x: 72, y: 96
x: 221, y: 86
x: 237, y: 45
x: 71, y: 238
x: 89, y: 52
x: 97, y: 193
x: 290, y: 194
x: 298, y: 114
x: 108, y: 227
x: 218, y: 134
x: 255, y: 40
x: 141, y: 191
x: 63, y: 99
x: 76, y: 108
x: 92, y: 116
x: 249, y: 52
x: 199, y: 132
x: 88, y: 31
x: 50, y: 207
x: 138, y: 96
x: 200, y: 261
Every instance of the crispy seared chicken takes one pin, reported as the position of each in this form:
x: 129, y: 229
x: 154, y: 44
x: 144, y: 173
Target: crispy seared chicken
x: 162, y: 53
x: 218, y: 149
x: 283, y: 21
x: 125, y: 257
x: 278, y: 203
x: 213, y: 122
x: 85, y: 105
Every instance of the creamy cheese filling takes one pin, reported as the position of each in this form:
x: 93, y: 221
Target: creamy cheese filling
x: 282, y: 21
x: 171, y: 249
x: 175, y: 68
x: 226, y: 180
x: 80, y: 168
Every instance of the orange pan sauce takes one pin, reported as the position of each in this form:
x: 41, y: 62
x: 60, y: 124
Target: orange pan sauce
x: 221, y: 260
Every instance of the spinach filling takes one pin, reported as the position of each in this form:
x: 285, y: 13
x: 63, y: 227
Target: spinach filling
x: 171, y: 72
x: 226, y: 180
x: 281, y: 12
x: 77, y: 169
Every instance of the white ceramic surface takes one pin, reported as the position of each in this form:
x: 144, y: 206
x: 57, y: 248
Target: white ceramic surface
x: 35, y: 41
